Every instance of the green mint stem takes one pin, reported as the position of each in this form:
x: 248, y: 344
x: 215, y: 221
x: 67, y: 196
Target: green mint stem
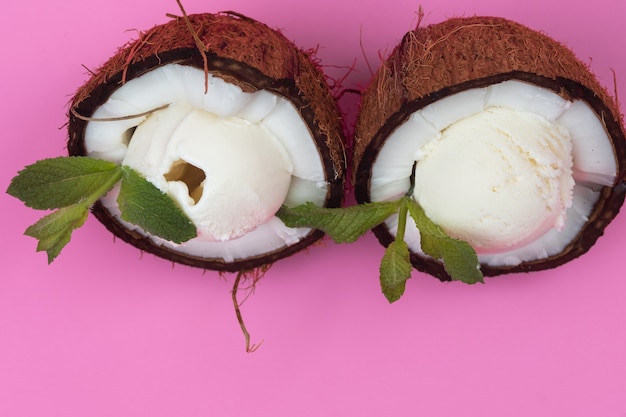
x: 402, y: 216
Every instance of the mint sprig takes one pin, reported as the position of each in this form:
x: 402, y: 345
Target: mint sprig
x: 71, y: 185
x: 345, y: 225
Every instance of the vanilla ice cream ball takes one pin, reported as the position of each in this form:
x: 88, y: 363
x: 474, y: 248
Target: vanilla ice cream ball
x: 498, y: 179
x: 227, y: 174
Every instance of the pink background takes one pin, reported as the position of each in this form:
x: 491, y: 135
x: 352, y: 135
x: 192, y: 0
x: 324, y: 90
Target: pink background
x: 105, y: 331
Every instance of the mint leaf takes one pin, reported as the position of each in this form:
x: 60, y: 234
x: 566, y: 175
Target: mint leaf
x: 343, y: 225
x: 143, y: 204
x: 461, y: 262
x: 395, y: 269
x: 459, y: 258
x: 59, y: 182
x: 55, y: 230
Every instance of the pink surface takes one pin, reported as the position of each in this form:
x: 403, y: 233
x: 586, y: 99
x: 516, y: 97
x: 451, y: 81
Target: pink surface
x: 104, y: 331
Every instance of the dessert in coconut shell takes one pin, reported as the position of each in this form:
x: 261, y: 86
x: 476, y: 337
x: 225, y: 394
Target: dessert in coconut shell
x: 503, y: 137
x: 228, y: 118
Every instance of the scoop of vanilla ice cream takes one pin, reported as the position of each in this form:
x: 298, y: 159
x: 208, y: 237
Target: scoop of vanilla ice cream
x: 498, y: 179
x: 247, y: 171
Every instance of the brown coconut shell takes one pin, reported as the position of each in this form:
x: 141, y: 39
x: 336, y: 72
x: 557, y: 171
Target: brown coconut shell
x: 436, y: 61
x: 244, y: 52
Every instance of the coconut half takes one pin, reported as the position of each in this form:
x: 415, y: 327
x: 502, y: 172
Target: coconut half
x: 517, y: 148
x: 231, y: 125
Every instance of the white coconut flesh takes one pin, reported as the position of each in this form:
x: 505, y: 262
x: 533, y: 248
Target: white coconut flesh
x: 513, y: 168
x: 229, y: 158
